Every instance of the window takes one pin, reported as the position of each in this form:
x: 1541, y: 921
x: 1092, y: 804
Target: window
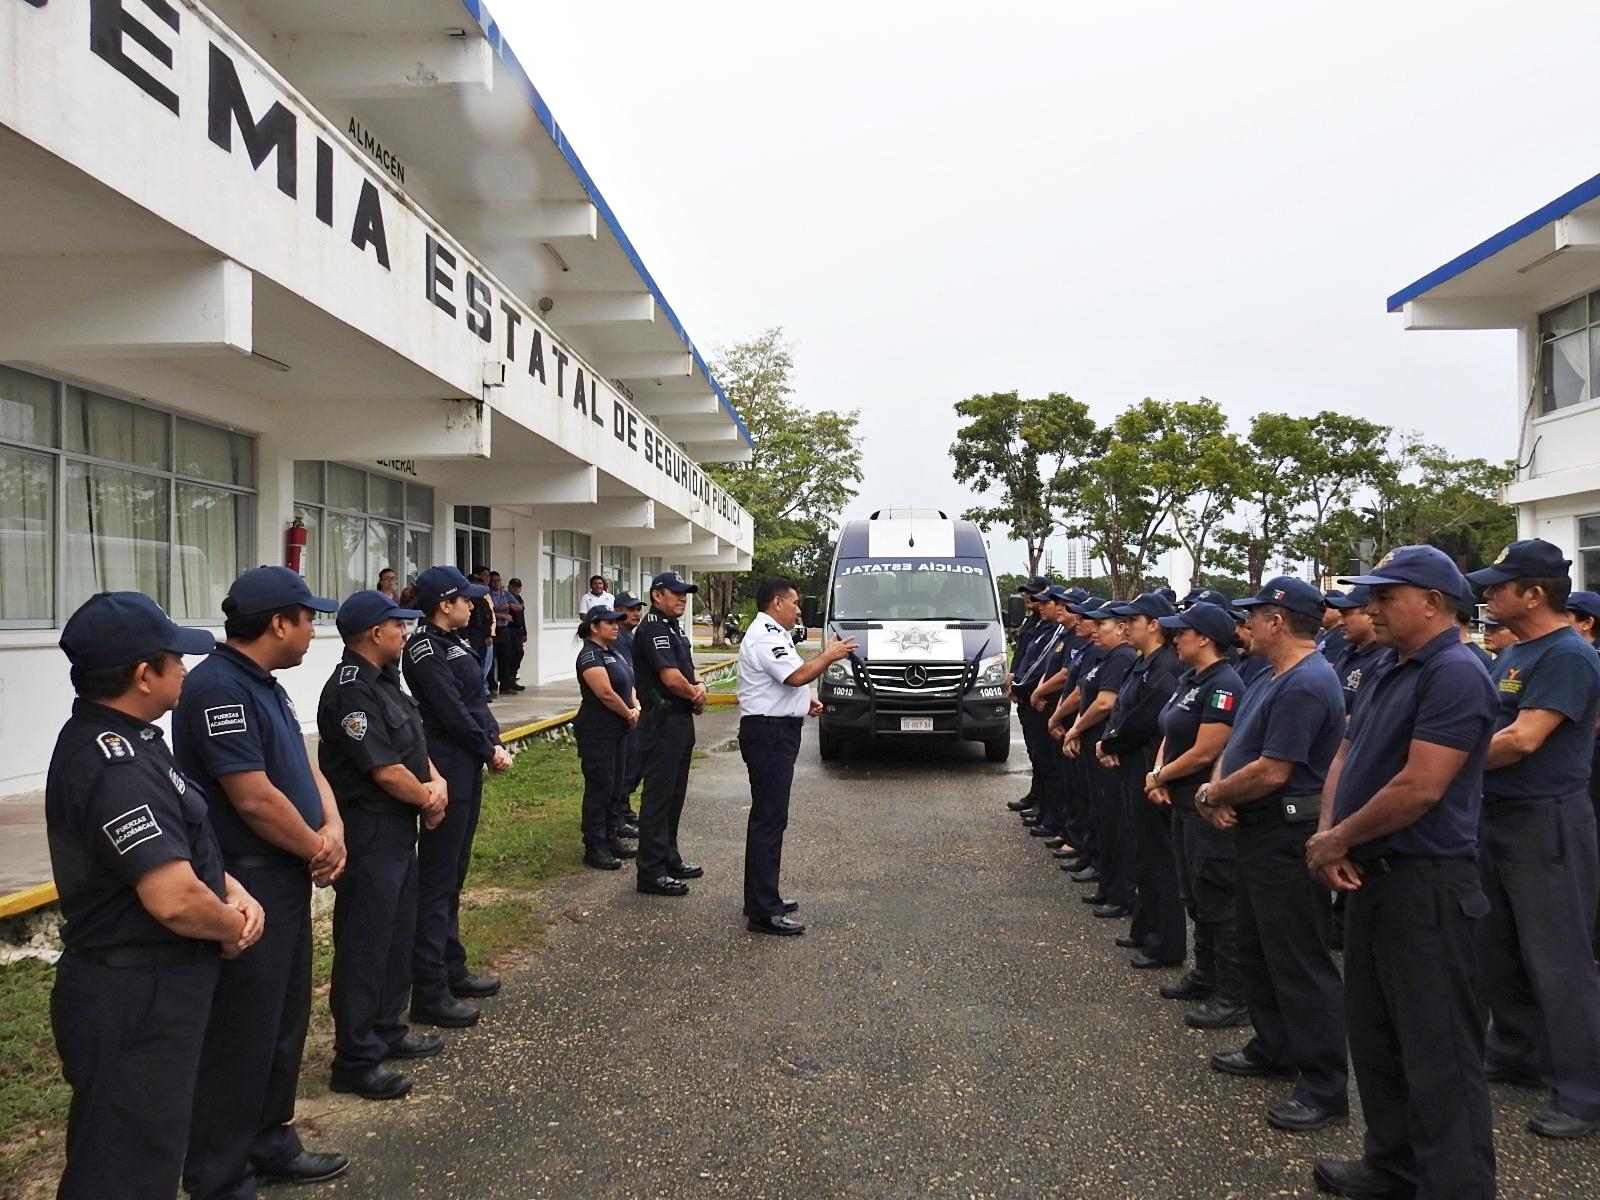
x: 649, y: 568
x: 472, y: 537
x: 103, y: 494
x: 616, y: 564
x: 1569, y: 353
x: 1589, y: 551
x: 566, y: 573
x: 358, y: 523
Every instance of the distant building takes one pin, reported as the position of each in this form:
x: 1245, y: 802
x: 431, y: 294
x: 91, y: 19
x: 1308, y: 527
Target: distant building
x: 1076, y: 560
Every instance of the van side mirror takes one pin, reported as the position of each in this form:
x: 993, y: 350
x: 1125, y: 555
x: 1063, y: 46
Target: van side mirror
x: 810, y: 610
x: 1016, y: 610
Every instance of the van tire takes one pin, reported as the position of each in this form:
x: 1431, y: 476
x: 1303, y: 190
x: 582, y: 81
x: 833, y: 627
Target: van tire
x: 830, y: 746
x: 997, y: 749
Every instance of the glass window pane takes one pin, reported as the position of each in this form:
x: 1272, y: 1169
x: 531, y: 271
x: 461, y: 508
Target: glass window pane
x: 383, y: 549
x: 27, y: 408
x: 308, y: 482
x: 347, y: 488
x: 386, y: 497
x: 312, y: 518
x: 27, y: 563
x: 1568, y: 317
x: 114, y: 429
x: 419, y: 554
x: 550, y: 540
x: 1591, y: 569
x: 480, y: 516
x: 419, y: 504
x: 207, y: 452
x: 345, y: 568
x: 212, y: 533
x: 1589, y: 532
x: 1565, y: 372
x: 115, y: 531
x: 580, y: 545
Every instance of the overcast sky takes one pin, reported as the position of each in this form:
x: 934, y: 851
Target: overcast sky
x: 1111, y: 200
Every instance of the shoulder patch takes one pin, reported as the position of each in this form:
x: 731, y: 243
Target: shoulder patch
x: 114, y: 746
x: 348, y: 672
x: 177, y: 780
x: 663, y: 643
x: 420, y: 648
x: 355, y: 725
x: 779, y: 652
x: 456, y: 652
x: 225, y: 719
x: 132, y: 828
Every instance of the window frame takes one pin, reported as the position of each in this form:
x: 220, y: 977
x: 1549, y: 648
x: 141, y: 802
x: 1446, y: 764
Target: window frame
x: 366, y: 514
x: 1588, y: 331
x: 560, y: 547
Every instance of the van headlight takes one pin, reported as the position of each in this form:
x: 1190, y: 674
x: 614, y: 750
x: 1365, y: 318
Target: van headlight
x: 992, y: 671
x: 837, y: 672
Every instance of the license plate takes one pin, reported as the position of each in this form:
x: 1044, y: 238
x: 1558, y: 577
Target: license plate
x: 916, y: 724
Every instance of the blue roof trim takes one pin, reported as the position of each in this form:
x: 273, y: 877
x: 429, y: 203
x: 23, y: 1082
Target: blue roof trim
x: 491, y: 30
x: 1586, y: 191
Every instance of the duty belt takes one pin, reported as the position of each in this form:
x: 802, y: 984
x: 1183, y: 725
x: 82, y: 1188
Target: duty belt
x: 1270, y: 810
x: 158, y: 954
x: 1385, y: 864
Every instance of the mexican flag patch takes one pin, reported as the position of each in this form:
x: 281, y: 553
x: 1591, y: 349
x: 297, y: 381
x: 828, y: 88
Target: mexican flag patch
x: 1222, y: 701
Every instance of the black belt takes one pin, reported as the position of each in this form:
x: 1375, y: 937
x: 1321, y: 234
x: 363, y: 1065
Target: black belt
x: 263, y: 862
x: 775, y: 720
x: 1495, y: 805
x: 1268, y: 811
x: 159, y: 954
x: 1385, y: 864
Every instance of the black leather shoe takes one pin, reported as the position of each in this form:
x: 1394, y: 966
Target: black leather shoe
x: 1109, y: 912
x: 1071, y: 860
x: 618, y: 850
x: 475, y: 987
x: 1029, y: 814
x: 416, y: 1045
x: 790, y: 906
x: 1189, y: 987
x: 1553, y: 1123
x: 1343, y: 1177
x: 779, y: 926
x: 451, y: 1014
x: 1057, y: 842
x: 1095, y: 897
x: 663, y: 885
x: 1298, y: 1117
x: 601, y: 859
x: 378, y: 1083
x: 1042, y: 831
x: 1031, y: 820
x: 1145, y: 962
x: 305, y: 1167
x: 1515, y: 1076
x: 1021, y: 805
x: 1128, y: 942
x: 1218, y: 1012
x: 686, y: 871
x: 1086, y: 875
x: 631, y: 832
x: 1237, y: 1062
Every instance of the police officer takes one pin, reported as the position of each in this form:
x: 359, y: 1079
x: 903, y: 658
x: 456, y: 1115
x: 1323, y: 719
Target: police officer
x: 1196, y: 723
x: 1398, y: 835
x: 625, y: 820
x: 671, y: 694
x: 1537, y: 844
x: 774, y: 701
x: 280, y: 831
x: 1044, y: 672
x: 463, y: 738
x: 1331, y: 641
x: 1097, y: 695
x: 1267, y: 787
x: 1496, y: 637
x: 1250, y: 665
x: 374, y: 753
x: 607, y: 713
x: 1085, y: 656
x: 1466, y: 621
x: 1583, y: 609
x: 147, y: 904
x: 1363, y: 653
x: 1021, y: 653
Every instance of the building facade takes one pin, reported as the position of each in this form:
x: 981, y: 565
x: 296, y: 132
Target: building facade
x: 1540, y: 278
x: 272, y: 264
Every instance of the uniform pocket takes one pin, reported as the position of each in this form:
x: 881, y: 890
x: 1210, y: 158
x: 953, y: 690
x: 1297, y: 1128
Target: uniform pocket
x: 1533, y: 836
x: 1474, y: 904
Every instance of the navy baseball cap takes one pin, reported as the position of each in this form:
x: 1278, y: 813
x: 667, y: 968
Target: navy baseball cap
x: 118, y: 629
x: 1145, y: 604
x: 1208, y: 596
x: 1586, y: 603
x: 1286, y: 592
x: 1356, y: 597
x: 673, y: 582
x: 1106, y: 610
x: 368, y: 607
x: 601, y: 613
x: 263, y: 589
x: 629, y: 600
x: 1171, y: 596
x: 445, y: 582
x: 1087, y: 605
x: 1531, y: 558
x: 1424, y: 567
x: 1202, y: 616
x: 1077, y: 595
x: 1055, y: 592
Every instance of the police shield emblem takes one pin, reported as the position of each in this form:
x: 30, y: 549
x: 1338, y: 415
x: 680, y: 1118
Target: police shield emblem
x: 355, y: 725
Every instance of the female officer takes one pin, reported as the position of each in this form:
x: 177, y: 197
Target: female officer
x: 609, y: 709
x: 1128, y: 747
x: 1195, y: 726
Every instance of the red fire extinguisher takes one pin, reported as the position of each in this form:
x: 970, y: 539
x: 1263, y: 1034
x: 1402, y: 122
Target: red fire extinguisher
x: 295, y: 547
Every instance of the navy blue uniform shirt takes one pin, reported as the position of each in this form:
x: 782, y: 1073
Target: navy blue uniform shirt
x: 1295, y: 717
x: 1355, y: 665
x: 624, y: 644
x: 1046, y: 656
x: 1482, y: 656
x: 1441, y: 695
x: 1089, y: 656
x: 593, y: 715
x: 660, y: 644
x: 1135, y: 721
x: 1559, y: 672
x: 116, y: 806
x: 1211, y: 697
x: 1029, y: 644
x: 235, y: 717
x: 1025, y: 632
x: 1331, y: 643
x: 1251, y: 667
x: 447, y: 681
x: 1104, y: 676
x: 364, y: 722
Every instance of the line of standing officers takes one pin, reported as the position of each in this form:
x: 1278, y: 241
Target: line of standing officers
x: 182, y: 999
x: 1296, y: 772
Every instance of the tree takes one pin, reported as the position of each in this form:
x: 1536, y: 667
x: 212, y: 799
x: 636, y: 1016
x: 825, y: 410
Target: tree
x: 804, y: 469
x: 1018, y: 450
x: 1276, y: 442
x: 1214, y: 467
x: 1338, y: 456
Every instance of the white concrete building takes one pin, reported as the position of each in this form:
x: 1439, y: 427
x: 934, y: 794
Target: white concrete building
x: 1541, y: 278
x: 268, y: 259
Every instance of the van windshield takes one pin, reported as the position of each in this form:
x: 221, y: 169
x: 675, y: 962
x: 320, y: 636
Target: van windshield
x: 937, y: 589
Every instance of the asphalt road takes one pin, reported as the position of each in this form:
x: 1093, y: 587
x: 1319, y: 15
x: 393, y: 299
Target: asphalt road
x: 954, y: 1023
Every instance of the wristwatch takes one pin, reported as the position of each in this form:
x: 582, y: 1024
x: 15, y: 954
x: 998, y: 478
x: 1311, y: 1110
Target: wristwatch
x: 1202, y: 795
x: 1155, y: 775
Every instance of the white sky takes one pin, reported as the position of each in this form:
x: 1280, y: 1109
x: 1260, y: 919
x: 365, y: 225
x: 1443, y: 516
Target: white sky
x: 1112, y: 200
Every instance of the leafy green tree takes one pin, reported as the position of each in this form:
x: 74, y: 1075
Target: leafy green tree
x: 1014, y: 452
x: 1339, y: 456
x: 1270, y: 497
x: 1211, y: 460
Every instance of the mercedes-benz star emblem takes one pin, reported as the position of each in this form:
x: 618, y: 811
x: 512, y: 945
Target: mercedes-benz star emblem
x: 916, y: 675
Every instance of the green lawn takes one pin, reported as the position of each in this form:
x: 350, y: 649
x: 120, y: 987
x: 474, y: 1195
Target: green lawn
x: 527, y: 837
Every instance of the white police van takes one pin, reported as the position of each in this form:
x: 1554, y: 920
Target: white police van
x: 916, y: 592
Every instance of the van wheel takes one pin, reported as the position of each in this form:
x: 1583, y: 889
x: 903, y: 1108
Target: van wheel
x: 830, y: 746
x: 997, y: 749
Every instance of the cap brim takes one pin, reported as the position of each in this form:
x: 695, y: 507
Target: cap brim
x: 321, y: 604
x: 1489, y: 576
x: 192, y: 641
x: 405, y: 614
x: 1344, y: 602
x: 473, y: 591
x: 1175, y: 621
